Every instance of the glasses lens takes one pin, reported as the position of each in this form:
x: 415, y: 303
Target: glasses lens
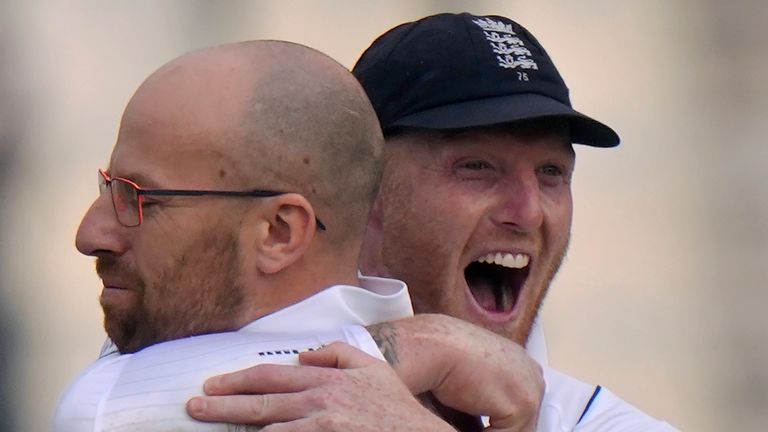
x: 126, y: 202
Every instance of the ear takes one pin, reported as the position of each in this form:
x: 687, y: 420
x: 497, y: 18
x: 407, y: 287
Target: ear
x: 284, y: 230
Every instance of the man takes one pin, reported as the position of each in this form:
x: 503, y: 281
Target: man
x: 209, y: 242
x: 474, y: 211
x: 209, y: 221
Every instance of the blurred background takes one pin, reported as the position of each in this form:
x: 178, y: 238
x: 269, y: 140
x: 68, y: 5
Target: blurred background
x: 662, y: 298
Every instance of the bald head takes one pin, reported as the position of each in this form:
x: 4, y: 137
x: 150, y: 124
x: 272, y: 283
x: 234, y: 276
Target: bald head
x: 284, y: 116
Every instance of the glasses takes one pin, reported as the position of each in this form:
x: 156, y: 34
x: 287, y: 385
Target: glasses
x: 128, y: 197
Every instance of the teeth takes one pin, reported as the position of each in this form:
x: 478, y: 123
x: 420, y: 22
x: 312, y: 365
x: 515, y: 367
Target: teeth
x: 508, y: 260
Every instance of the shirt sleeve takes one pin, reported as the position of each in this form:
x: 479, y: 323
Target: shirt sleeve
x: 570, y: 405
x: 609, y: 413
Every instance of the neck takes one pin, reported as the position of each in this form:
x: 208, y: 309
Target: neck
x: 268, y: 293
x: 371, y: 257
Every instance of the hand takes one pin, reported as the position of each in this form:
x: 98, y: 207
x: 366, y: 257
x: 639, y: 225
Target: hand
x: 466, y: 367
x: 341, y: 389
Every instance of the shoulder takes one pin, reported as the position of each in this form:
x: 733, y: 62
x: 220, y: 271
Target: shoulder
x: 138, y: 391
x: 572, y: 405
x: 150, y: 387
x: 79, y: 404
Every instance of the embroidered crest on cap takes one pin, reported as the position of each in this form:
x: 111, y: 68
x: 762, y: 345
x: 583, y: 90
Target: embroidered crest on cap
x: 510, y: 49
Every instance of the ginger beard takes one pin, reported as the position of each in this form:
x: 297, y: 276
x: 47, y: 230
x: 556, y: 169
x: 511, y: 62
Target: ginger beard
x: 196, y: 292
x: 444, y: 280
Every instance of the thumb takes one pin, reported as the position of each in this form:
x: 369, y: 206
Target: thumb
x: 337, y: 355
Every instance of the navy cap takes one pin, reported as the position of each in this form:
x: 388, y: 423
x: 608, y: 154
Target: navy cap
x: 452, y: 71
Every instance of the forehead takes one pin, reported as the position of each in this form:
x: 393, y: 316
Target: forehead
x: 161, y: 154
x: 173, y: 130
x: 543, y: 139
x: 188, y: 168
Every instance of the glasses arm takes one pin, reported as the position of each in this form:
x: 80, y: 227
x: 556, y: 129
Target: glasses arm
x: 185, y: 192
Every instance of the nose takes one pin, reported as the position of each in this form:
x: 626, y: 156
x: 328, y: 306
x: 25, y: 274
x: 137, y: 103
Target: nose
x: 99, y: 231
x: 520, y: 203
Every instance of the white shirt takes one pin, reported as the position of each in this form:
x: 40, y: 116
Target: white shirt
x: 148, y: 390
x: 573, y: 406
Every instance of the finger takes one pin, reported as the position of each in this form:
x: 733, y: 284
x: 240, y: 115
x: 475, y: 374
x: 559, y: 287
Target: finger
x: 337, y: 355
x: 263, y: 378
x: 244, y: 409
x: 251, y: 409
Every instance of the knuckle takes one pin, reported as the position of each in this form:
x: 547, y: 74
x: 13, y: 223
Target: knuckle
x: 529, y: 402
x: 320, y: 399
x: 258, y: 406
x: 335, y: 345
x: 331, y: 421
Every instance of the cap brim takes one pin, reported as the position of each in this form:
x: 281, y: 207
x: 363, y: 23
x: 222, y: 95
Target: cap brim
x: 509, y: 109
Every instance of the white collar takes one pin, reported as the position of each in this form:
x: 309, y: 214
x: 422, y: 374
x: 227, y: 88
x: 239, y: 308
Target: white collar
x: 376, y: 300
x: 536, y: 345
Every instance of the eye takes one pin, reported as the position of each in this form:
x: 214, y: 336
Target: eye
x: 474, y: 169
x: 551, y: 170
x: 147, y: 204
x: 553, y: 175
x: 476, y: 165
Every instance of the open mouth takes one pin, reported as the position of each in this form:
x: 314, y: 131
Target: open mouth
x: 496, y: 280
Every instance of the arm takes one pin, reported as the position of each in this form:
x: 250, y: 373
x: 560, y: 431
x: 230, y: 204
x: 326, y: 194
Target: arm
x: 467, y: 368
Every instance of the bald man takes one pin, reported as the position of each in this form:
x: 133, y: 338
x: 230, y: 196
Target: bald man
x: 234, y: 203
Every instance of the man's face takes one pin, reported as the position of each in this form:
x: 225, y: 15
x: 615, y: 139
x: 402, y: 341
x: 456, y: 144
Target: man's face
x: 477, y: 222
x: 177, y: 274
x: 165, y: 287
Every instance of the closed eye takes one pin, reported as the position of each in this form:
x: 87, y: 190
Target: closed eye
x: 149, y: 203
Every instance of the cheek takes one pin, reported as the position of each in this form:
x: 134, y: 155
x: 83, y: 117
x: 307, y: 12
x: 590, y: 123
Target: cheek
x: 556, y: 234
x: 424, y: 234
x: 559, y: 214
x: 564, y: 214
x: 415, y: 222
x: 161, y: 261
x: 151, y: 259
